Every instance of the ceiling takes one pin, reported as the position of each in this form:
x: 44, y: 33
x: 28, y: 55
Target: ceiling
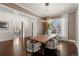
x: 53, y: 9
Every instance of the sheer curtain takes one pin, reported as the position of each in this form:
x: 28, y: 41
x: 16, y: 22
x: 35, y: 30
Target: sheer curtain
x: 64, y: 27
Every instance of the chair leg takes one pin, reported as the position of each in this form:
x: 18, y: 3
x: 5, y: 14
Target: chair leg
x: 32, y: 48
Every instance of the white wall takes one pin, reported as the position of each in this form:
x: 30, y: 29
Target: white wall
x: 39, y: 27
x: 77, y: 28
x: 13, y: 19
x: 5, y: 34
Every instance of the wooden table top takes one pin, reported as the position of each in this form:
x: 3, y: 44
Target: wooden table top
x: 43, y: 38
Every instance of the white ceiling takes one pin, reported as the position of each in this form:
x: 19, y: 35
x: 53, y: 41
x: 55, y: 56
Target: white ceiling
x: 48, y: 11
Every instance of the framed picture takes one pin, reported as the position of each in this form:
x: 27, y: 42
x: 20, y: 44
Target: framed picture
x: 4, y: 25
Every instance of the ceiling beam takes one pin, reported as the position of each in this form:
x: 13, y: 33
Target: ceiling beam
x: 19, y: 8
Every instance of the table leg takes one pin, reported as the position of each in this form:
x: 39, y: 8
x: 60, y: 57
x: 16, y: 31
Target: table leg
x: 43, y: 51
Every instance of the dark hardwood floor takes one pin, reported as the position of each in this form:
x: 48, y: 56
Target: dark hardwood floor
x: 12, y: 47
x: 17, y: 47
x: 68, y: 48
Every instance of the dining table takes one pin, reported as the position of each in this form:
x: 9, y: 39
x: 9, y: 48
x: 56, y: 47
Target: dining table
x: 43, y: 39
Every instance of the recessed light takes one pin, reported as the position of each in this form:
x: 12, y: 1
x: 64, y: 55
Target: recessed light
x: 46, y: 4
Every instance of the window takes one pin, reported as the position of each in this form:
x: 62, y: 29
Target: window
x: 58, y: 26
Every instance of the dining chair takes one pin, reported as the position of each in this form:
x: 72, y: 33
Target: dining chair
x: 33, y: 47
x: 51, y: 46
x: 52, y: 43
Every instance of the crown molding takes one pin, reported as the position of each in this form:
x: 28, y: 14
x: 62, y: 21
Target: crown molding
x: 27, y: 9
